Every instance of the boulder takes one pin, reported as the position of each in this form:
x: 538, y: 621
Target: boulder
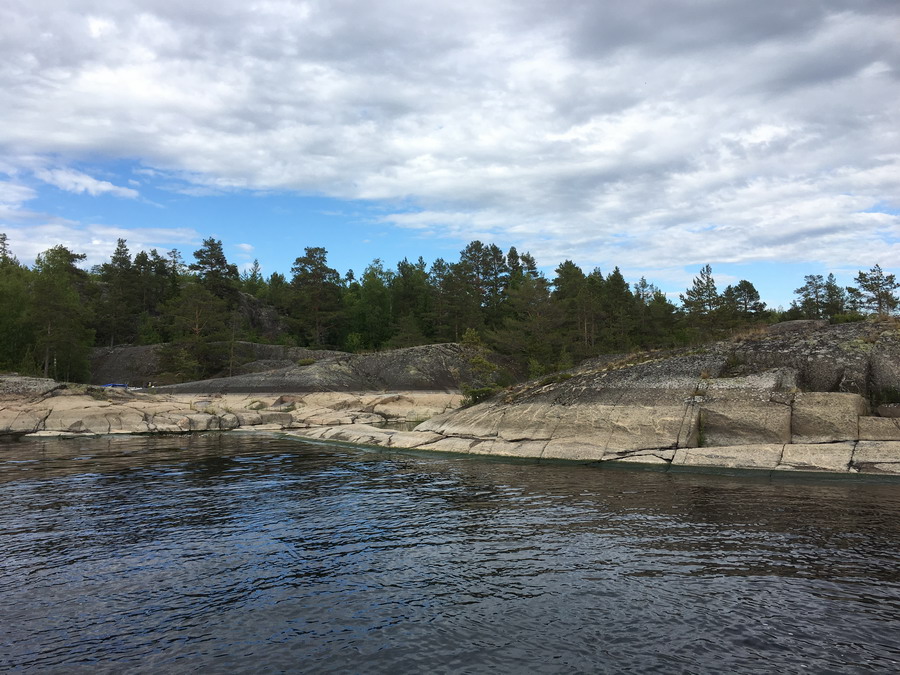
x: 248, y: 418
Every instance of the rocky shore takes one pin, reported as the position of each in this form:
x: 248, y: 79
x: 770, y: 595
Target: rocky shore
x: 35, y: 407
x: 803, y: 396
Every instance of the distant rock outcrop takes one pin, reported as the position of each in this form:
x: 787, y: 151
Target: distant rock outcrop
x: 138, y: 366
x: 799, y: 397
x: 441, y: 367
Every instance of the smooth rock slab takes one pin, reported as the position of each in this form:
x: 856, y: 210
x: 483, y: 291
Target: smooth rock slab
x: 879, y: 429
x: 877, y: 457
x: 645, y: 457
x: 501, y: 448
x: 744, y: 422
x: 760, y: 456
x: 817, y: 456
x: 581, y: 448
x: 821, y: 417
x: 21, y: 421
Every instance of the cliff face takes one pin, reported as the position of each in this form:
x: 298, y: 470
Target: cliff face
x: 804, y: 396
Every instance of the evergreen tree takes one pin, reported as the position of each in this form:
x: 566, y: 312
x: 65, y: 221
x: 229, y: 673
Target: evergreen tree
x: 198, y: 326
x: 374, y: 320
x: 618, y: 308
x: 411, y: 297
x: 252, y: 281
x: 496, y: 279
x: 835, y: 301
x: 218, y: 275
x: 16, y: 336
x: 528, y: 331
x: 118, y: 308
x: 741, y: 302
x: 702, y: 299
x: 812, y: 296
x: 59, y: 314
x: 317, y: 297
x: 877, y: 291
x: 572, y: 297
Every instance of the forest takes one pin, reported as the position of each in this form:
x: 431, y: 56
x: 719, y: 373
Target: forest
x: 55, y: 312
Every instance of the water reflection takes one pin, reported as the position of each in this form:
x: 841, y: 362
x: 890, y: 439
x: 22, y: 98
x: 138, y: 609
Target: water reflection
x: 233, y: 552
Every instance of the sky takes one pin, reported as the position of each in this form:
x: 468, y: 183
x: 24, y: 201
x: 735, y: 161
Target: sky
x: 762, y: 138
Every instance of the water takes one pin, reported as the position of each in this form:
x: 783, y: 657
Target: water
x: 248, y: 553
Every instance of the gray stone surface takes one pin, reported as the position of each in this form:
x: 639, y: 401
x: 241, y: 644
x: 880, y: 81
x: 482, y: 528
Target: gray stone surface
x: 877, y: 457
x: 879, y: 428
x: 761, y: 456
x: 817, y: 457
x: 744, y: 421
x: 826, y: 417
x: 443, y: 367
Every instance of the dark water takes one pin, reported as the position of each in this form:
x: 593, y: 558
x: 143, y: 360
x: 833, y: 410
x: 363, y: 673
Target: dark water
x: 231, y: 553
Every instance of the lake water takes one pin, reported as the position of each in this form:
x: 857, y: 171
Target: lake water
x: 252, y: 553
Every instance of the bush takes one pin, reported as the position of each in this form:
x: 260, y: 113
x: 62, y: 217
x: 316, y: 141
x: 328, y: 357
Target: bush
x: 477, y: 395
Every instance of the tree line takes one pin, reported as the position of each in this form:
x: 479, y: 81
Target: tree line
x: 55, y: 312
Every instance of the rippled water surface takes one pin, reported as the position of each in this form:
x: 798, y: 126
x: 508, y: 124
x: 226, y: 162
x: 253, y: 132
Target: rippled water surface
x: 231, y: 553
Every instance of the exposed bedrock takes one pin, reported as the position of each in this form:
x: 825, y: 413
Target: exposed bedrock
x: 801, y: 398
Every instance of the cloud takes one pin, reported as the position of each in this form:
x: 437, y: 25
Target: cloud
x: 246, y: 248
x: 78, y: 182
x: 12, y: 197
x: 97, y: 242
x: 647, y: 134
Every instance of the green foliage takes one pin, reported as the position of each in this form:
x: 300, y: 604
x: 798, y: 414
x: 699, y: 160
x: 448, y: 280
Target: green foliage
x: 877, y: 291
x: 850, y: 317
x: 59, y: 315
x: 316, y: 301
x: 702, y: 299
x: 886, y: 396
x: 535, y: 369
x: 218, y: 276
x: 498, y: 305
x: 476, y: 395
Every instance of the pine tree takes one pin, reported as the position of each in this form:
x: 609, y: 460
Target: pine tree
x: 317, y: 296
x: 214, y: 270
x: 835, y: 298
x: 702, y: 299
x: 812, y: 296
x: 59, y: 313
x: 878, y: 290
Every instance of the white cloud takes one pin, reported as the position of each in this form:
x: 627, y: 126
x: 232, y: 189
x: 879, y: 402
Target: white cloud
x: 651, y: 135
x: 12, y: 196
x: 97, y: 242
x: 78, y: 182
x: 246, y: 248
